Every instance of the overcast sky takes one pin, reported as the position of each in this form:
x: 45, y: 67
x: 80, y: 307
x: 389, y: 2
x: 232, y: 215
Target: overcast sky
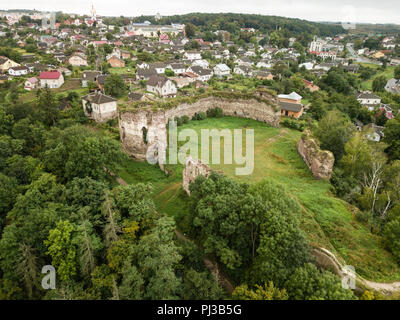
x: 383, y: 11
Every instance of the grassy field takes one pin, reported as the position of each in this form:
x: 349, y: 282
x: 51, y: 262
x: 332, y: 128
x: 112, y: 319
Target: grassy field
x: 328, y: 221
x: 125, y: 70
x: 68, y: 86
x: 388, y: 74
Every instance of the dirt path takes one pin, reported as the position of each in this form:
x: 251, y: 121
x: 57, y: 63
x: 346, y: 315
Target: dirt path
x: 226, y: 283
x: 378, y: 286
x: 386, y: 288
x: 121, y: 181
x: 270, y: 141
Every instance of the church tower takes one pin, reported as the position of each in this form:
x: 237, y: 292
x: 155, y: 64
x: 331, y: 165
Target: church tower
x: 93, y: 12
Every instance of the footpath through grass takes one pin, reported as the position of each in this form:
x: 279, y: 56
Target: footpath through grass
x: 328, y: 221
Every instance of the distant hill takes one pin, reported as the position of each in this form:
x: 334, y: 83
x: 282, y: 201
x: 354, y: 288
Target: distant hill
x: 228, y: 21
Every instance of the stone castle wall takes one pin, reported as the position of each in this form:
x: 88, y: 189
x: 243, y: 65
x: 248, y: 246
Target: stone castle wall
x: 132, y: 122
x: 193, y: 169
x: 319, y: 161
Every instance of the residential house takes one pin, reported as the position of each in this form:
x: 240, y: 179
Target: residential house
x: 177, y: 68
x: 31, y: 83
x: 244, y: 61
x: 263, y: 75
x: 192, y: 55
x: 395, y: 61
x: 4, y: 78
x: 264, y: 64
x: 137, y: 96
x: 291, y: 98
x: 373, y: 132
x: 116, y: 62
x: 51, y: 79
x: 243, y: 70
x: 221, y: 70
x: 378, y: 55
x: 161, y: 86
x: 89, y: 76
x: 78, y: 59
x: 307, y: 65
x: 6, y: 63
x: 65, y: 71
x: 393, y: 86
x: 18, y: 71
x: 145, y: 74
x: 99, y: 107
x: 142, y: 65
x: 159, y: 67
x: 201, y: 63
x: 203, y: 74
x: 125, y: 54
x: 368, y: 99
x: 185, y: 79
x: 310, y: 85
x: 291, y: 105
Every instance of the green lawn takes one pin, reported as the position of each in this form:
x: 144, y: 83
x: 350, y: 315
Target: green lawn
x: 68, y: 86
x: 388, y: 74
x: 125, y: 70
x: 328, y: 221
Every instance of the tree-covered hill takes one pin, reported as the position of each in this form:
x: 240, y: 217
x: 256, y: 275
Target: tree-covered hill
x: 232, y: 22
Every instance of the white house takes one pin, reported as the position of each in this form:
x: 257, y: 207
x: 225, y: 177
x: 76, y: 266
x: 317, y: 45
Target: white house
x: 99, y: 107
x: 221, y: 70
x: 31, y: 83
x: 51, y: 79
x: 201, y: 63
x: 142, y: 65
x: 244, y: 61
x: 192, y: 55
x: 307, y: 65
x: 203, y: 74
x: 369, y: 99
x: 18, y: 71
x: 264, y: 64
x: 243, y: 70
x: 177, y: 68
x: 159, y: 67
x: 161, y: 86
x: 77, y: 60
x: 393, y: 86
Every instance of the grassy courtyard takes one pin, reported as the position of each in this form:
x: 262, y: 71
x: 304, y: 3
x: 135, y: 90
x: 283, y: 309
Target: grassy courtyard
x: 328, y: 221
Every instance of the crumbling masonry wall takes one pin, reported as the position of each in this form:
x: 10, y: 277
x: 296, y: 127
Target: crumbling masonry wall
x: 134, y: 122
x: 319, y: 161
x: 193, y: 169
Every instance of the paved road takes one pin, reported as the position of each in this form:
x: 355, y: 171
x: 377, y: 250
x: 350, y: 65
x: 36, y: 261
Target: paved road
x: 354, y: 55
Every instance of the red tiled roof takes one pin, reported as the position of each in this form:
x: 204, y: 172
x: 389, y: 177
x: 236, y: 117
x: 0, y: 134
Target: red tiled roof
x: 49, y: 75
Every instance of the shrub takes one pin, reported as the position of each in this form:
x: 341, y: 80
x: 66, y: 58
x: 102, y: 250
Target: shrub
x: 185, y: 119
x: 294, y: 124
x: 179, y: 121
x: 199, y: 116
x: 214, y: 113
